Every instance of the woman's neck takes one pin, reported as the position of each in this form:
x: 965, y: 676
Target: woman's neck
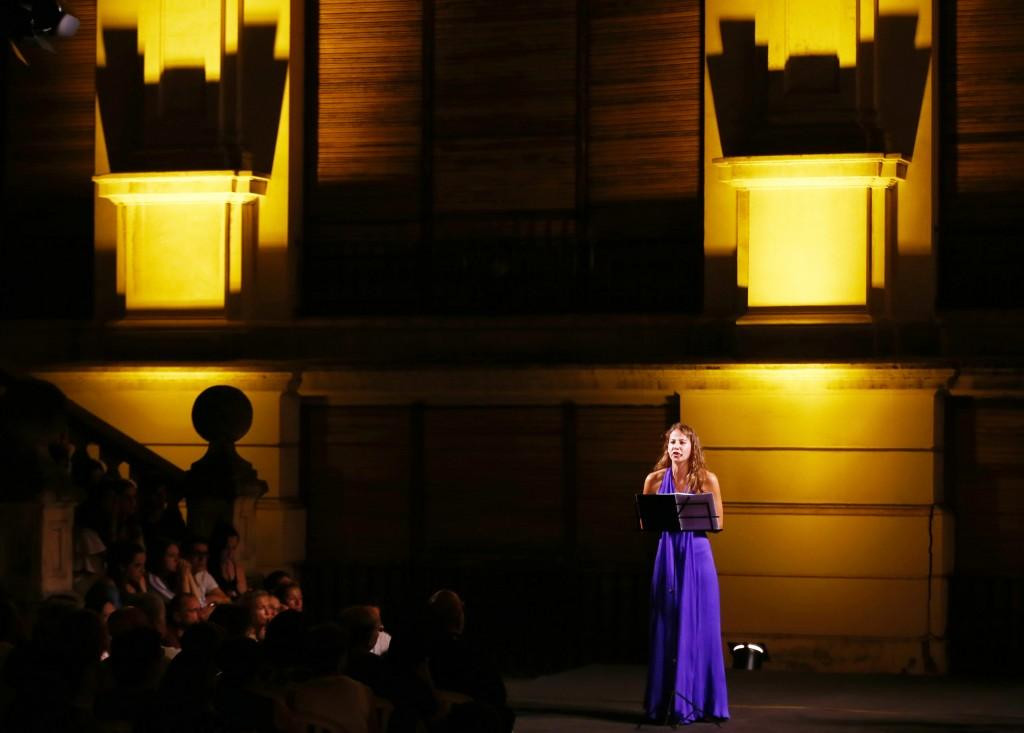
x: 679, y: 471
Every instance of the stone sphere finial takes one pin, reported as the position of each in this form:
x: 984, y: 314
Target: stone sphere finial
x: 222, y: 414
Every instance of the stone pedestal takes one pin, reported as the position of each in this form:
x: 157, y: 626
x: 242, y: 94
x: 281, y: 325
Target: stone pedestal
x: 222, y: 487
x: 36, y: 558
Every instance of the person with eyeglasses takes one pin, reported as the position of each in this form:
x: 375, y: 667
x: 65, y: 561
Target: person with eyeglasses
x: 205, y: 588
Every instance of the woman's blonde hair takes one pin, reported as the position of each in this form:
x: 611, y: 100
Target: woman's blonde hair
x: 696, y: 471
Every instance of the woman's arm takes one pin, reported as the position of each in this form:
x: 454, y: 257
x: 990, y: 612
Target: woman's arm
x: 711, y: 485
x: 240, y: 583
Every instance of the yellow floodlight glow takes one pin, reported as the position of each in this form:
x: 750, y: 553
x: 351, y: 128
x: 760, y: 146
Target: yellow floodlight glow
x: 185, y: 34
x: 807, y: 247
x: 181, y: 236
x: 179, y: 261
x: 810, y: 228
x: 812, y: 28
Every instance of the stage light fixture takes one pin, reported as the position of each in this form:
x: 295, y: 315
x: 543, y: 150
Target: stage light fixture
x: 748, y: 655
x: 36, y: 20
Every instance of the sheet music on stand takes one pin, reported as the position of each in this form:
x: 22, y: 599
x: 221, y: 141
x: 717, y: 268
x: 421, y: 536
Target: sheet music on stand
x: 676, y: 512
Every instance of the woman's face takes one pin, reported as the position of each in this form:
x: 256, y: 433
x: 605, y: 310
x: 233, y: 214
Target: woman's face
x: 230, y: 547
x: 136, y: 568
x: 294, y: 598
x: 678, y: 446
x: 262, y: 612
x: 172, y: 557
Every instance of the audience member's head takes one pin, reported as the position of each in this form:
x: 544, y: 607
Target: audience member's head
x: 261, y: 611
x: 153, y: 606
x: 126, y: 497
x: 290, y: 596
x: 239, y: 658
x: 276, y: 579
x: 135, y: 657
x: 224, y: 543
x: 128, y: 568
x: 164, y: 561
x: 361, y: 625
x: 233, y: 618
x: 86, y: 638
x: 102, y: 597
x: 284, y: 638
x: 202, y: 638
x: 182, y: 612
x: 447, y: 612
x: 197, y: 552
x: 125, y: 619
x: 275, y: 605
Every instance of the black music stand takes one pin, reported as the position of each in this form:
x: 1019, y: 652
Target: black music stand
x: 676, y: 512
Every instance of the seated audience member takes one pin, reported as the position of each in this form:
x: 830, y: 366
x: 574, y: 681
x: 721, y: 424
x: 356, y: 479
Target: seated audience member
x: 127, y: 618
x: 128, y: 569
x: 261, y: 611
x: 226, y: 566
x: 136, y: 663
x: 54, y: 676
x: 168, y: 573
x: 329, y: 694
x: 90, y: 559
x: 126, y: 526
x: 400, y: 679
x: 235, y: 619
x: 103, y: 598
x: 275, y: 605
x: 185, y: 700
x: 238, y: 698
x: 155, y: 609
x: 282, y: 645
x: 276, y: 579
x: 290, y: 596
x: 456, y: 665
x: 205, y: 588
x: 182, y: 612
x: 158, y: 516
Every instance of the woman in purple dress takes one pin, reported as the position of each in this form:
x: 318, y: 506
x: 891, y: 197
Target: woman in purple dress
x: 686, y: 678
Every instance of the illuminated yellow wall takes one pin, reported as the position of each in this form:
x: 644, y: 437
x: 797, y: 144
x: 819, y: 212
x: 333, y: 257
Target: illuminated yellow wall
x: 836, y: 550
x: 807, y: 247
x: 180, y: 262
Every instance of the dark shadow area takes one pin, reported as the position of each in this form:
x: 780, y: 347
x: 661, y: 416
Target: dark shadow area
x: 986, y: 597
x: 637, y: 257
x: 980, y: 261
x: 186, y: 122
x: 811, y: 106
x: 46, y: 164
x: 903, y: 71
x: 263, y: 79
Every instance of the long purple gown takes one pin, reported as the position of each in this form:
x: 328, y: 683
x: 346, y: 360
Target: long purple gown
x: 686, y: 677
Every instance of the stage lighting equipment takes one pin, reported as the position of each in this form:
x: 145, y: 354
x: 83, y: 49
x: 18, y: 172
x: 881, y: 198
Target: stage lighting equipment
x: 36, y: 20
x: 747, y: 655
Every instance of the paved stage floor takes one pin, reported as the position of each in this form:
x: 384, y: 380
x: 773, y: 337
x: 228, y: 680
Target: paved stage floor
x: 607, y: 699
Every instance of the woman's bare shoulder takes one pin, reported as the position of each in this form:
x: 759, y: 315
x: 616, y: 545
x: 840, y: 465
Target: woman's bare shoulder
x: 654, y: 478
x: 710, y: 480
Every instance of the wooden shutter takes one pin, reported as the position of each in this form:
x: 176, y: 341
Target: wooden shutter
x: 982, y: 154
